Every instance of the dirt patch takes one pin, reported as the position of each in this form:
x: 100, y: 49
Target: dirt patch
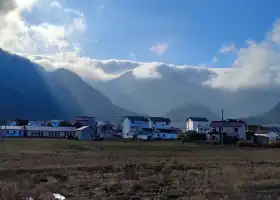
x: 120, y: 171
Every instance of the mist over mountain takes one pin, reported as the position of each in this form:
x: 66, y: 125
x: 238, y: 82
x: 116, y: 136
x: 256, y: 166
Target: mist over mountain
x: 270, y: 117
x: 173, y: 87
x: 30, y: 92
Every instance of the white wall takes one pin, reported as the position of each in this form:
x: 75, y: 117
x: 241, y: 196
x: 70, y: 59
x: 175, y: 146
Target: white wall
x: 125, y: 126
x: 239, y: 132
x: 192, y: 125
x: 128, y: 125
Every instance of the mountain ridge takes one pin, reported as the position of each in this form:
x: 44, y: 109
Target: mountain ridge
x: 30, y: 92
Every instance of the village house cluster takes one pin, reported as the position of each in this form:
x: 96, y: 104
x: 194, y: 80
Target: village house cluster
x: 136, y: 127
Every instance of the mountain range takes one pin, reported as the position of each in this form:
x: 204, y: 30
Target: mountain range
x: 30, y: 92
x: 179, y: 115
x: 272, y: 116
x: 175, y: 88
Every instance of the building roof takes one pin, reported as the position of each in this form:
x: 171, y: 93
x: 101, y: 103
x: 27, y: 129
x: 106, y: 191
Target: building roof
x: 39, y: 128
x: 137, y: 118
x: 159, y: 119
x: 11, y: 127
x: 82, y: 128
x: 228, y: 123
x: 103, y: 123
x: 198, y: 119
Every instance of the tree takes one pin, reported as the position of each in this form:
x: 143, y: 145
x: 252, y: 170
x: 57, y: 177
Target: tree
x: 78, y: 125
x: 65, y: 124
x: 21, y: 122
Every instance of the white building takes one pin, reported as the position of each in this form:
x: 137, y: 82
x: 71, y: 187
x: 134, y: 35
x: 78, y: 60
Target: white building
x: 132, y: 124
x: 159, y: 123
x: 198, y: 124
x: 37, y: 131
x: 234, y: 128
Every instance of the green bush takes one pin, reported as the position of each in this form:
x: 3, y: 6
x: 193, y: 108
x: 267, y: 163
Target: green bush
x: 249, y: 135
x: 273, y: 145
x: 196, y: 137
x: 246, y: 143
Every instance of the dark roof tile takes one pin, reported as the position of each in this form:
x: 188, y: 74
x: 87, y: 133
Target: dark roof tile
x: 198, y: 119
x: 159, y: 119
x: 137, y: 118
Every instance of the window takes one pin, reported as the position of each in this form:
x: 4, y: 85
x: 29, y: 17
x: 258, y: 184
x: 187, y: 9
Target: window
x: 154, y: 123
x: 163, y: 135
x: 220, y: 129
x: 132, y: 121
x: 235, y: 130
x: 167, y: 123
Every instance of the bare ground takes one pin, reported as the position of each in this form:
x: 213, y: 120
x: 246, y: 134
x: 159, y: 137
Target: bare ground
x: 136, y: 170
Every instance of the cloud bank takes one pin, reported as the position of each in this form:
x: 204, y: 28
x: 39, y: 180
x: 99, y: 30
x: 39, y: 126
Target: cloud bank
x: 59, y: 46
x: 159, y: 48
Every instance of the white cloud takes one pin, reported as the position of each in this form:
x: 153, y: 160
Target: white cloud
x: 257, y: 65
x: 56, y: 4
x: 52, y: 46
x: 159, y: 48
x: 26, y: 4
x: 227, y: 48
x: 147, y: 71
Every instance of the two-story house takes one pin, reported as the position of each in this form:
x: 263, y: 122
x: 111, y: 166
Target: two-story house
x: 159, y: 123
x: 198, y: 124
x: 232, y: 127
x: 132, y: 124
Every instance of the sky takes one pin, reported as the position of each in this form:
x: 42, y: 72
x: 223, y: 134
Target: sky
x: 102, y: 39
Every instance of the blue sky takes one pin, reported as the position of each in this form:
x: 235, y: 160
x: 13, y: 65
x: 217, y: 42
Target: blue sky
x: 194, y: 30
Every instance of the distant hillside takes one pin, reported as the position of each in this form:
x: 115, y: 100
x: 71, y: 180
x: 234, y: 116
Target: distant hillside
x: 269, y: 117
x: 179, y: 115
x: 30, y: 92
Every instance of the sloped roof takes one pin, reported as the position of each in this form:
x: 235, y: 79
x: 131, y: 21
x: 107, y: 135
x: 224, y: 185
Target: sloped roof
x: 39, y: 128
x: 225, y: 123
x: 137, y: 118
x: 198, y: 119
x: 82, y: 128
x: 159, y: 119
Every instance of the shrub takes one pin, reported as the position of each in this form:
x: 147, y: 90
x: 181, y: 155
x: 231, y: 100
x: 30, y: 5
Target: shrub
x: 196, y: 137
x: 273, y: 145
x: 246, y: 143
x: 230, y: 140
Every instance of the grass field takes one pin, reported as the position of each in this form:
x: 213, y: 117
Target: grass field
x: 136, y: 170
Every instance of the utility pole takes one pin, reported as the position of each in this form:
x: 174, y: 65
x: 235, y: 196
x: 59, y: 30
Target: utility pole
x: 222, y: 128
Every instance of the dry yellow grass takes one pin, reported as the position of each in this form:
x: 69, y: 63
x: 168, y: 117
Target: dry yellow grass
x: 136, y: 170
